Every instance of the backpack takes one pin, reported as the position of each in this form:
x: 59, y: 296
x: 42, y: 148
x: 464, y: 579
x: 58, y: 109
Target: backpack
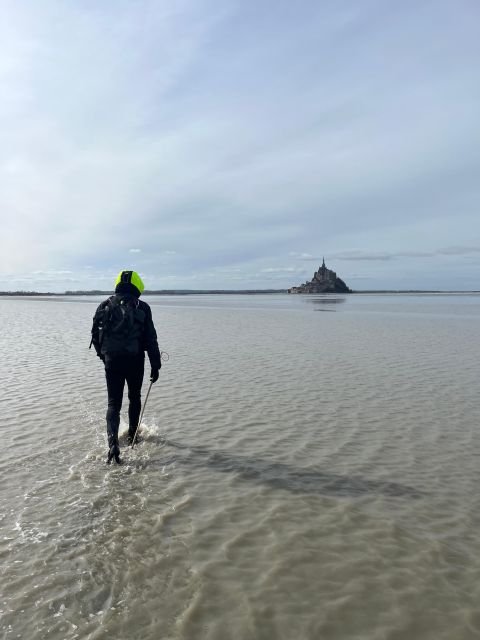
x: 121, y: 326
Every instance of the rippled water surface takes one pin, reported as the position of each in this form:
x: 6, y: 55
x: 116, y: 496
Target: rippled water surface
x: 309, y: 469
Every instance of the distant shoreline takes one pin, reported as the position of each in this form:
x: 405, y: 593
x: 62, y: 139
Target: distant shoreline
x: 163, y: 292
x: 189, y: 292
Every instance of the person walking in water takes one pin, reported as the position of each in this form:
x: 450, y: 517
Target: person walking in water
x: 122, y: 331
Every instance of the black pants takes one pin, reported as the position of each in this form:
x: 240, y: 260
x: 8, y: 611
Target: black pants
x: 117, y: 371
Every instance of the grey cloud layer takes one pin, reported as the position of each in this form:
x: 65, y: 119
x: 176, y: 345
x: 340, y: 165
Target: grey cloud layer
x: 446, y: 251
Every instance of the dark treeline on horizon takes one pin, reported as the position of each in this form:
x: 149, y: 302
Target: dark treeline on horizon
x: 161, y: 292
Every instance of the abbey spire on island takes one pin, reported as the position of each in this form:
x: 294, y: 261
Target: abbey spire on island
x: 324, y: 281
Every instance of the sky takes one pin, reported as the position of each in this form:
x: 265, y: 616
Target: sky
x: 235, y: 144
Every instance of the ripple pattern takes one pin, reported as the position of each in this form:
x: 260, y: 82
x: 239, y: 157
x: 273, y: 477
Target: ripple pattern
x: 302, y: 475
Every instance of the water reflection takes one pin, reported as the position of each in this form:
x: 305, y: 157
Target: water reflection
x: 324, y: 302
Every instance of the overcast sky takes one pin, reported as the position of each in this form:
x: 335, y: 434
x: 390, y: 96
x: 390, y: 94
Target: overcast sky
x: 233, y: 144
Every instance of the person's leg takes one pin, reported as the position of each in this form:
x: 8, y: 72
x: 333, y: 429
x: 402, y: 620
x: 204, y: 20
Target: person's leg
x: 115, y: 377
x: 134, y: 381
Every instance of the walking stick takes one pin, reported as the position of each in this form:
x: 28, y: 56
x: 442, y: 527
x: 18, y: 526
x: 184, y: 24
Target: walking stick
x: 141, y: 415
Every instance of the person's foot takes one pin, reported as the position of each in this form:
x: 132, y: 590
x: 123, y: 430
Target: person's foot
x: 114, y: 454
x: 131, y: 435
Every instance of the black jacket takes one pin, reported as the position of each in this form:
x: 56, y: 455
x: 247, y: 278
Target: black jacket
x: 148, y: 338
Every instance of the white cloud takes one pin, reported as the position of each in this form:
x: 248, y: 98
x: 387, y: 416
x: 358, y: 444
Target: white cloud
x: 282, y: 270
x: 302, y: 256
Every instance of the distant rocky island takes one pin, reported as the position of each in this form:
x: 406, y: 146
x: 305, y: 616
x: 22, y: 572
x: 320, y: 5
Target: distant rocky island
x: 324, y: 281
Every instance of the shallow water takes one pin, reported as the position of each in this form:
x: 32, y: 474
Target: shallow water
x: 309, y: 469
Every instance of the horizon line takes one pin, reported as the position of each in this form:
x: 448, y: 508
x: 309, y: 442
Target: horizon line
x: 98, y: 292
